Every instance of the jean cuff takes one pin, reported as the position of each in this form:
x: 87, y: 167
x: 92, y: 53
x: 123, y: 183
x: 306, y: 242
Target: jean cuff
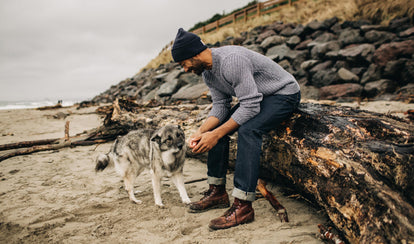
x: 243, y: 195
x: 216, y: 181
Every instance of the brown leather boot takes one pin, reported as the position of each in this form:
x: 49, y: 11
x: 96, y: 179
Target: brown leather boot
x: 215, y: 197
x: 241, y: 212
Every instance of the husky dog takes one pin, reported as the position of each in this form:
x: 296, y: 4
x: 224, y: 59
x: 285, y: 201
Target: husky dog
x: 161, y: 151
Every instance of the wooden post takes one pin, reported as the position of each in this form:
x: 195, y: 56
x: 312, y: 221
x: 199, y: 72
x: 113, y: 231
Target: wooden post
x: 217, y: 25
x: 258, y: 9
x: 245, y: 15
x: 234, y: 18
x: 67, y: 130
x: 290, y: 2
x: 204, y: 29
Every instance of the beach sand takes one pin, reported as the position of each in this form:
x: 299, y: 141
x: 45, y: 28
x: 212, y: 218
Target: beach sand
x: 56, y: 196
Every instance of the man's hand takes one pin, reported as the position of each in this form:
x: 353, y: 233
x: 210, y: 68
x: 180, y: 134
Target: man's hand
x: 208, y: 135
x: 207, y: 141
x: 194, y: 139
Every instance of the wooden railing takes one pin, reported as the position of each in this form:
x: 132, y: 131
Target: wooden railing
x: 245, y: 14
x: 242, y: 15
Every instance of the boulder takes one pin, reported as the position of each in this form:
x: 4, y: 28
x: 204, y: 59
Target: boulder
x: 316, y: 25
x: 309, y: 92
x: 373, y: 73
x: 408, y: 32
x: 321, y: 66
x: 256, y: 48
x: 272, y: 41
x: 169, y: 88
x: 293, y: 41
x: 265, y: 35
x: 392, y: 51
x: 303, y: 45
x: 280, y: 50
x: 378, y: 87
x: 320, y: 49
x: 350, y: 36
x: 325, y: 78
x: 358, y: 53
x: 379, y: 37
x: 333, y: 92
x: 347, y: 76
x: 191, y: 92
x: 308, y: 64
x: 190, y: 78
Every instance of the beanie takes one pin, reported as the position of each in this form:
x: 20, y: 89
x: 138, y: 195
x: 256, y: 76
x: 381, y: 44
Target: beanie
x: 186, y: 45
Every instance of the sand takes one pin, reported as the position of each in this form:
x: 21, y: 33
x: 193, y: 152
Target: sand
x: 56, y: 196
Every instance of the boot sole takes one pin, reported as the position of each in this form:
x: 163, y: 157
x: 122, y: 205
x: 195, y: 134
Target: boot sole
x: 218, y: 206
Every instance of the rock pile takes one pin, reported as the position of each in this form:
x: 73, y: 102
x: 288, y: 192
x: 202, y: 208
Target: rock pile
x: 345, y: 61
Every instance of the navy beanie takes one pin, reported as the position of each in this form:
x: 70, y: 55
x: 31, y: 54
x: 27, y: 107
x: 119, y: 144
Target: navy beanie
x: 186, y: 45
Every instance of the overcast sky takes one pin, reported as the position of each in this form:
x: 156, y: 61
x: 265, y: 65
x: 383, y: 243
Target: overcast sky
x: 76, y: 49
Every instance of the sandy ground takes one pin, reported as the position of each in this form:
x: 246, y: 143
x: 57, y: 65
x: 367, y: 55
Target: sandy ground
x: 56, y: 197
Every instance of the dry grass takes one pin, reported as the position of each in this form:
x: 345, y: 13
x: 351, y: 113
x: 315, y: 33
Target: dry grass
x: 303, y: 12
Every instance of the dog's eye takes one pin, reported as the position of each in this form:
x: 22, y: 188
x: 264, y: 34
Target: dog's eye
x: 169, y: 140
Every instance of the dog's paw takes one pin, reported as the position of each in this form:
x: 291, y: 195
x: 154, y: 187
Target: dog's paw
x: 137, y: 201
x: 187, y: 201
x: 160, y: 205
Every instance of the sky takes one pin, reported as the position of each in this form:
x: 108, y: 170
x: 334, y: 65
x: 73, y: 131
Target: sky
x: 76, y: 49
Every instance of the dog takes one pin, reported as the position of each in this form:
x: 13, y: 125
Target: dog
x: 161, y: 151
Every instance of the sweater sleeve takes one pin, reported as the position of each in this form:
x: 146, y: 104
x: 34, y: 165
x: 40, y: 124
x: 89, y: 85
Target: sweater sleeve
x: 221, y: 104
x: 238, y: 70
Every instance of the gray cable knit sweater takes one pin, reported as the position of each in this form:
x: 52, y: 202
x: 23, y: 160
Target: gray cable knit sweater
x: 247, y: 75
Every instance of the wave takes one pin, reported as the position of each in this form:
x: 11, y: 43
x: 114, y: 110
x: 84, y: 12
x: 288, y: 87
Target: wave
x: 10, y: 105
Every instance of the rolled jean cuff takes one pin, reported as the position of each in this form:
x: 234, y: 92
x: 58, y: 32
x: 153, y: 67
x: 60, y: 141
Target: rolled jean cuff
x: 216, y: 181
x: 242, y: 195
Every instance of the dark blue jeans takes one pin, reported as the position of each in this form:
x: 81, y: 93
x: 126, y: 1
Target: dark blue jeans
x: 273, y: 110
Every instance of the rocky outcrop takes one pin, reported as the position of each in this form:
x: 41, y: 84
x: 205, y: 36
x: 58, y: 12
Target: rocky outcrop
x: 331, y: 60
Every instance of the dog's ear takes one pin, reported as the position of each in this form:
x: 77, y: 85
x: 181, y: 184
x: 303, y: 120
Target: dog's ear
x: 156, y: 138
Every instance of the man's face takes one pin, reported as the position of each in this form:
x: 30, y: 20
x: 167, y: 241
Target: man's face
x: 193, y: 65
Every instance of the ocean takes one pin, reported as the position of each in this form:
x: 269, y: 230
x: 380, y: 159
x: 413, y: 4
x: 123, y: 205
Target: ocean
x: 8, y: 105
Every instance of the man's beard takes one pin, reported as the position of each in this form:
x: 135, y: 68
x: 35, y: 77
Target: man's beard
x: 197, y: 67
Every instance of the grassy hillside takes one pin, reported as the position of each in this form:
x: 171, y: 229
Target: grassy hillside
x: 378, y: 11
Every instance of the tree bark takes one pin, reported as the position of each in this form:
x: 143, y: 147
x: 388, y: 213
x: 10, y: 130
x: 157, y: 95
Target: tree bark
x: 357, y: 165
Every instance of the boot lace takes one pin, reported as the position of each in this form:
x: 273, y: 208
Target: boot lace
x: 231, y: 210
x: 206, y: 194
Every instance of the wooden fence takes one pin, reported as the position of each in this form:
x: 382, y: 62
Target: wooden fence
x: 245, y: 14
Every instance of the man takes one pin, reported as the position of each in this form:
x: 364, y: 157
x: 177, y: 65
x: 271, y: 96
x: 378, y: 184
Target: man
x: 267, y: 95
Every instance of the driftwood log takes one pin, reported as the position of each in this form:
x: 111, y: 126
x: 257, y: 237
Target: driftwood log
x: 357, y: 165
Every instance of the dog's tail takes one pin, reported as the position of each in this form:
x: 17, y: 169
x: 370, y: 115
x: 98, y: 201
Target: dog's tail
x: 102, y: 161
x: 105, y: 160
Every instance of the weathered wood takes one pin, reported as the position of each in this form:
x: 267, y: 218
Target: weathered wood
x: 329, y: 236
x: 357, y: 165
x: 21, y: 144
x: 281, y: 211
x: 55, y: 145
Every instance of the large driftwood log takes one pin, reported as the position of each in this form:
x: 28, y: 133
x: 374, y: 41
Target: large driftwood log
x: 357, y: 165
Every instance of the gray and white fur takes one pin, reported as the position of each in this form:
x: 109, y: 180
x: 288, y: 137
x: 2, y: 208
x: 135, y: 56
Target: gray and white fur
x: 161, y: 151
